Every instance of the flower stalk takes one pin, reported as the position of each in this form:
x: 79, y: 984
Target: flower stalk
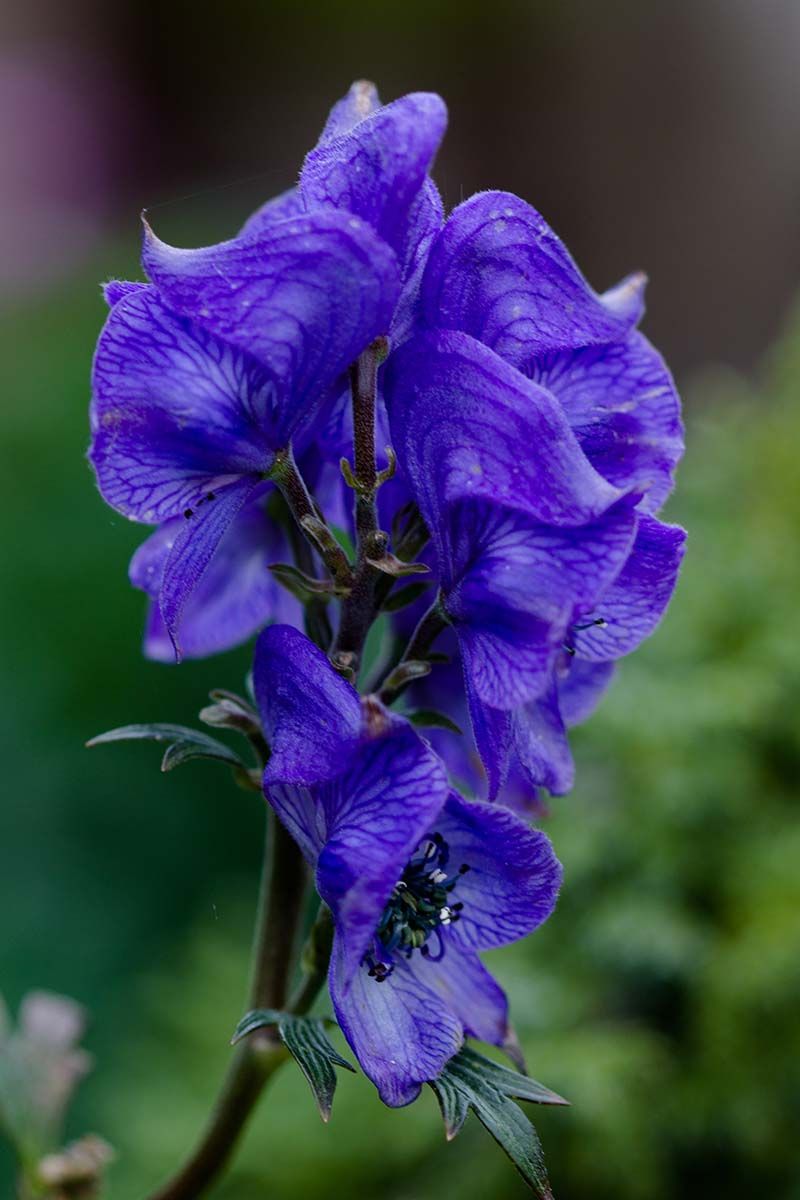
x: 257, y: 1058
x: 358, y: 609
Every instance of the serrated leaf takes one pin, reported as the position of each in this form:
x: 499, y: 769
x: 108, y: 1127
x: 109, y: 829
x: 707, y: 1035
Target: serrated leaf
x: 471, y: 1080
x: 307, y: 1042
x: 402, y: 597
x: 185, y: 744
x: 430, y: 718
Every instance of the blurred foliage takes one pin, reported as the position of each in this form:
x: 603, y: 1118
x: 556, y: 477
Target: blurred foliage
x: 662, y: 999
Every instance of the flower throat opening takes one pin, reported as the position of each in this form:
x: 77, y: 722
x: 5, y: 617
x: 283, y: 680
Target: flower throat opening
x: 417, y: 909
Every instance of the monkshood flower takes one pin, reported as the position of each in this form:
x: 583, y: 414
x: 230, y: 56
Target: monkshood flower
x: 202, y: 380
x: 540, y: 558
x: 418, y: 880
x: 275, y: 311
x: 498, y: 272
x: 373, y: 160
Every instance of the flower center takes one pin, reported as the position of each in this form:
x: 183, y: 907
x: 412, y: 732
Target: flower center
x: 417, y: 909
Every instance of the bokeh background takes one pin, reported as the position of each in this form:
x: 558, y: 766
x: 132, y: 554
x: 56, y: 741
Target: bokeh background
x: 663, y: 998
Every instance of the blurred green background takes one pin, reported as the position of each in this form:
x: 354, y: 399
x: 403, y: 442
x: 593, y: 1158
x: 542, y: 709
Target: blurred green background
x: 663, y: 997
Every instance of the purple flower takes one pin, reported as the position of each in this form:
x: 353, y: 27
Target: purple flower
x: 242, y: 349
x: 201, y: 380
x: 417, y: 879
x: 374, y: 160
x: 540, y: 558
x: 498, y: 272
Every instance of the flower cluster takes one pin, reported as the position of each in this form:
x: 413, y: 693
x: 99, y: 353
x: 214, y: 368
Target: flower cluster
x: 531, y: 433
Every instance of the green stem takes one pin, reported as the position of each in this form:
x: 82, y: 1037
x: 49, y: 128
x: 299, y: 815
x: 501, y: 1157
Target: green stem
x: 256, y: 1059
x: 316, y: 959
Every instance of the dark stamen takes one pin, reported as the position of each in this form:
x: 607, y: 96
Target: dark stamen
x: 417, y: 910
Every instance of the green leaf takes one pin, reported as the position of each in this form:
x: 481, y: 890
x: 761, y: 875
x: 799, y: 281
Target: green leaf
x: 472, y: 1081
x: 307, y: 1042
x: 454, y: 1103
x: 184, y: 744
x: 258, y: 1018
x: 510, y: 1083
x: 430, y: 718
x: 402, y: 597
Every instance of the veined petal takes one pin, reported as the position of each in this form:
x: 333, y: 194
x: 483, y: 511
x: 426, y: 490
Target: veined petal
x: 493, y: 731
x: 513, y: 878
x: 377, y: 167
x: 466, y: 989
x: 424, y: 222
x: 175, y: 413
x: 401, y: 1033
x: 193, y: 549
x: 511, y: 661
x: 375, y: 816
x: 117, y: 289
x: 621, y: 402
x: 517, y: 583
x: 304, y: 297
x: 236, y: 595
x: 581, y: 687
x: 287, y: 204
x: 633, y: 605
x: 466, y: 424
x: 311, y: 715
x: 498, y: 272
x: 541, y: 744
x: 300, y: 811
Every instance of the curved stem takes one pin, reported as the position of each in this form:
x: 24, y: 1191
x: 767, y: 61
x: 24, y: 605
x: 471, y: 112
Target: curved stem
x: 283, y: 882
x: 257, y: 1058
x: 287, y: 478
x: 316, y: 959
x: 428, y: 629
x: 249, y: 1071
